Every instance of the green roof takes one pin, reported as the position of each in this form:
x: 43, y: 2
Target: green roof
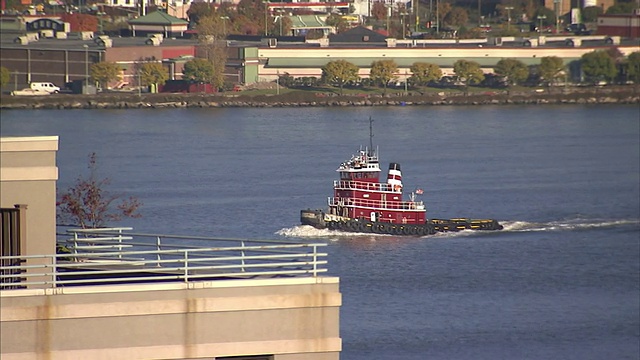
x: 307, y: 21
x: 158, y: 18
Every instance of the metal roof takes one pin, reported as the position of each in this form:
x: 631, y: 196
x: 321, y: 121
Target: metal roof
x: 158, y: 18
x: 403, y: 62
x: 307, y: 22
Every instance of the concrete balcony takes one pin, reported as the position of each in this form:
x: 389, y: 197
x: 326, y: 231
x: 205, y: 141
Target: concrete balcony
x: 118, y: 295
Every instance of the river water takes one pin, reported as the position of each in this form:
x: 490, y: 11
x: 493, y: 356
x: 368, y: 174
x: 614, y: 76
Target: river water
x: 562, y: 281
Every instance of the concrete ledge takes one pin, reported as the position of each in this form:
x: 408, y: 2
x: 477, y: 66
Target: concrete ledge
x: 32, y: 143
x: 207, y: 303
x: 331, y: 346
x: 101, y: 289
x: 34, y: 173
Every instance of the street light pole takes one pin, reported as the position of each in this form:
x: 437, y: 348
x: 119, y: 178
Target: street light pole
x: 508, y: 8
x: 224, y: 25
x: 540, y: 18
x: 266, y: 9
x: 86, y: 64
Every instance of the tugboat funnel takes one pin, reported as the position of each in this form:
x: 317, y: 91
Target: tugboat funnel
x: 394, y: 178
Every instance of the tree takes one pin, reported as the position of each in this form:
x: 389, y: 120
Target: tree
x: 80, y: 22
x: 598, y: 66
x: 442, y: 10
x: 456, y: 17
x: 153, y: 74
x: 88, y: 204
x: 591, y: 13
x: 339, y: 72
x: 383, y: 71
x: 338, y: 22
x: 255, y: 11
x: 551, y: 68
x: 5, y: 76
x: 104, y: 72
x: 198, y: 70
x: 513, y: 70
x: 468, y: 71
x: 423, y: 73
x: 198, y: 10
x: 210, y: 28
x: 379, y: 10
x: 621, y: 8
x: 211, y: 32
x: 633, y: 67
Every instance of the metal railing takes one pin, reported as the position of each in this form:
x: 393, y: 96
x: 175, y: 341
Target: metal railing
x: 108, y: 256
x: 367, y: 186
x: 376, y: 204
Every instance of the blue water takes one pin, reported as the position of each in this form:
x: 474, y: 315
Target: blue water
x: 562, y: 281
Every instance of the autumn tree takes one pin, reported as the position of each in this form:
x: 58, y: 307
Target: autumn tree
x: 104, y: 72
x: 5, y: 76
x: 338, y: 22
x: 514, y: 71
x: 598, y: 66
x: 468, y: 71
x: 456, y: 17
x: 152, y: 73
x: 379, y: 10
x: 442, y: 10
x: 339, y: 72
x: 255, y: 10
x: 211, y: 34
x: 551, y: 69
x: 633, y: 67
x: 198, y: 10
x: 423, y: 73
x: 88, y: 204
x: 383, y: 71
x: 80, y: 22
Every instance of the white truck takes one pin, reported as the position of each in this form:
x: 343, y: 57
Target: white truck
x: 44, y: 87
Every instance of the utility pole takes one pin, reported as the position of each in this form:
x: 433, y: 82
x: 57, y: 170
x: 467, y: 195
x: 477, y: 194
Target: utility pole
x: 417, y: 25
x: 266, y: 9
x: 508, y: 8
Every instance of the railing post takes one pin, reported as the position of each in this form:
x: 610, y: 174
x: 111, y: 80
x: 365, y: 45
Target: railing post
x: 315, y: 261
x: 54, y: 271
x: 242, y: 254
x: 119, y: 243
x: 75, y: 243
x: 158, y: 246
x: 186, y: 266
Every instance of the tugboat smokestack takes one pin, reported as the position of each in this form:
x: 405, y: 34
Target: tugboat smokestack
x: 394, y: 178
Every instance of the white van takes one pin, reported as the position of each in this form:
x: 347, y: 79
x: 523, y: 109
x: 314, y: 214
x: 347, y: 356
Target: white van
x: 44, y: 87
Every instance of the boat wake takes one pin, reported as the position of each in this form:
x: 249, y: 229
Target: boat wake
x: 307, y: 231
x: 566, y: 225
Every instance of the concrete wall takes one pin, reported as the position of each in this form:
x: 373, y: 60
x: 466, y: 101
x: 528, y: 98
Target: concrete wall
x: 28, y: 175
x: 293, y: 318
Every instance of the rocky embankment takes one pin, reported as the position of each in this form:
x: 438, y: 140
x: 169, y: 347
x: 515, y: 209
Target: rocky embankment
x: 583, y: 95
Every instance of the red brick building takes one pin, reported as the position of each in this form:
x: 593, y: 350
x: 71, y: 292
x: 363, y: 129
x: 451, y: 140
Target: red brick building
x: 619, y: 25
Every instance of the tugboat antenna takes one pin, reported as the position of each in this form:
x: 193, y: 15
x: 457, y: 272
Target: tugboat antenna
x: 370, y: 136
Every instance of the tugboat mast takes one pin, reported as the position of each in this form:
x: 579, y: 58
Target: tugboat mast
x: 370, y: 136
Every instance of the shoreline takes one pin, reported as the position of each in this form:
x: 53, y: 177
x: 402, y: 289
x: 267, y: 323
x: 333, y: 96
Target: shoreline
x: 549, y: 96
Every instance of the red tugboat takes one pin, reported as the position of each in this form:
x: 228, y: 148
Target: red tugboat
x: 363, y: 204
